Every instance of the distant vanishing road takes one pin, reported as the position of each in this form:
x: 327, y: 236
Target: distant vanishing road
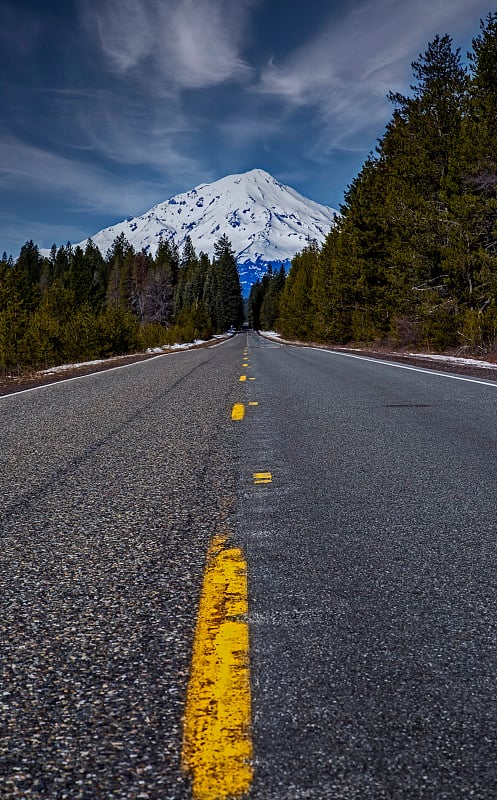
x: 362, y: 498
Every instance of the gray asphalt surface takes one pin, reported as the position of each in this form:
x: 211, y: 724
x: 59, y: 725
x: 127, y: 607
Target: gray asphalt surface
x: 111, y: 488
x: 372, y: 562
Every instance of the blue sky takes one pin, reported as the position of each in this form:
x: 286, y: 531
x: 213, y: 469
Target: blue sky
x: 110, y: 106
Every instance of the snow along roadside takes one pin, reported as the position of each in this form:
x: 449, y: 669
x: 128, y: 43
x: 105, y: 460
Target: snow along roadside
x: 15, y: 384
x: 150, y: 351
x: 471, y: 366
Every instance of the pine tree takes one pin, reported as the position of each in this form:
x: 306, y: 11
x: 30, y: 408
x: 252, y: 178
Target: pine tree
x: 229, y: 299
x: 117, y: 331
x: 471, y: 252
x: 13, y: 323
x: 188, y: 263
x: 483, y: 100
x: 79, y: 335
x: 26, y: 275
x: 99, y: 268
x: 80, y: 277
x: 254, y: 304
x: 152, y: 290
x: 269, y: 308
x: 296, y: 310
x: 211, y: 297
x: 331, y: 321
x: 433, y: 115
x: 120, y: 258
x: 167, y: 259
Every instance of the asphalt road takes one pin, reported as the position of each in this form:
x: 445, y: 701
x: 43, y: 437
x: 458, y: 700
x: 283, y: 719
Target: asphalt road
x: 112, y: 487
x: 372, y: 561
x: 372, y: 565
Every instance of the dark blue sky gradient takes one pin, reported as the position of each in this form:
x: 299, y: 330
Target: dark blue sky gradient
x: 110, y: 106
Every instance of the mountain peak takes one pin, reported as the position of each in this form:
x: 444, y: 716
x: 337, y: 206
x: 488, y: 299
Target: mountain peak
x: 256, y: 174
x: 264, y: 220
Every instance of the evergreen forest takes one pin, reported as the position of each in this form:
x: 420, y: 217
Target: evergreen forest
x: 412, y: 258
x: 77, y: 305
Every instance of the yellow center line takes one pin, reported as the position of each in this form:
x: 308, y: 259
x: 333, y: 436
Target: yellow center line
x: 243, y: 377
x: 250, y: 379
x: 238, y: 411
x: 217, y: 743
x: 253, y: 403
x: 262, y: 477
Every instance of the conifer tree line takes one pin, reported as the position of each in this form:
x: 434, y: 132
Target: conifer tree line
x: 77, y: 305
x: 412, y: 259
x: 263, y: 302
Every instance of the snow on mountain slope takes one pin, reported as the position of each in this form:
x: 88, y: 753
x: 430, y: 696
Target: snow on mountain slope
x: 264, y: 220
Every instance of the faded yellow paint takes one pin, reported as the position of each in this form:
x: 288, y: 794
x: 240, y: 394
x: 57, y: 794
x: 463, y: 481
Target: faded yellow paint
x: 253, y: 403
x: 238, y: 411
x: 262, y: 477
x: 251, y: 379
x: 245, y: 364
x: 243, y: 377
x: 217, y: 744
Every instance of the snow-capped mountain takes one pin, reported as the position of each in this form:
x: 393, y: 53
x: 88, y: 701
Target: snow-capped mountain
x: 264, y: 220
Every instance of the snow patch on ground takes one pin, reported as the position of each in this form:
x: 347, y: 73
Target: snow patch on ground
x: 271, y: 334
x: 470, y: 362
x: 459, y: 360
x: 167, y: 347
x: 64, y: 367
x: 164, y: 349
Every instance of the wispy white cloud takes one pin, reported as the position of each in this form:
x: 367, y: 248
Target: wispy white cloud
x: 346, y: 70
x: 127, y: 130
x: 83, y: 186
x: 121, y: 128
x: 186, y: 43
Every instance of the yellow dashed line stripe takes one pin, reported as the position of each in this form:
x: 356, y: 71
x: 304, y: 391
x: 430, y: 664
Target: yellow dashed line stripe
x: 253, y: 403
x: 262, y: 477
x: 238, y: 411
x: 243, y: 377
x: 217, y: 744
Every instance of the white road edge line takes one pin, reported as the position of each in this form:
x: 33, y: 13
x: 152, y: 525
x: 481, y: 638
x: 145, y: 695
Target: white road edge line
x: 110, y: 369
x: 407, y: 366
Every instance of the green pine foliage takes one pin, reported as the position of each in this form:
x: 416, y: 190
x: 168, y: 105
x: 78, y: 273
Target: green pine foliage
x: 76, y: 305
x: 264, y: 300
x: 412, y: 260
x: 296, y: 309
x: 228, y: 302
